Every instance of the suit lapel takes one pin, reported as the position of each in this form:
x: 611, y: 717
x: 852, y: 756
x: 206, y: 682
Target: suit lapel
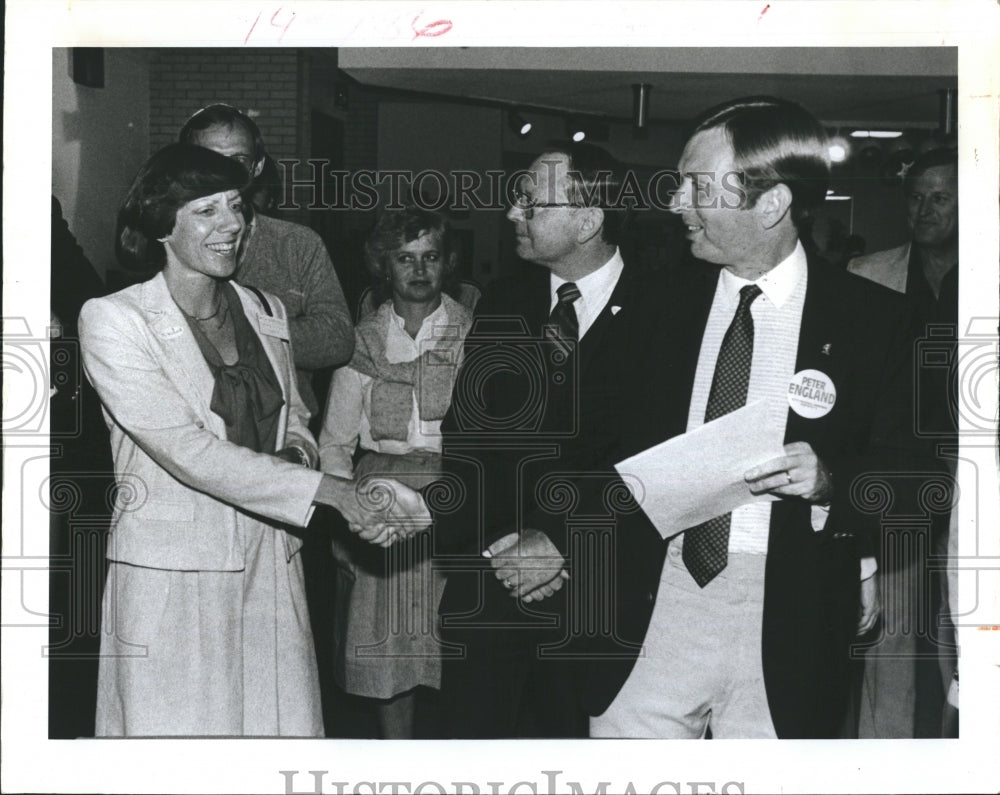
x: 620, y: 301
x: 820, y: 348
x: 180, y: 355
x: 899, y: 270
x: 692, y: 294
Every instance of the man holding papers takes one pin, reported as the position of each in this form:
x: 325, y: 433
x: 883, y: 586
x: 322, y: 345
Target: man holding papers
x: 755, y: 608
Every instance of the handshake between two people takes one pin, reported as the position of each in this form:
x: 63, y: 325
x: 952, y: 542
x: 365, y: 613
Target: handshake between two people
x: 380, y: 510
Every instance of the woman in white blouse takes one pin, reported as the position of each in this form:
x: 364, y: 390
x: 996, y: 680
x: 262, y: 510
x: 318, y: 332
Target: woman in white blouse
x: 384, y: 413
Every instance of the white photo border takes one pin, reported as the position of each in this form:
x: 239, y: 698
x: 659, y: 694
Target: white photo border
x: 32, y: 763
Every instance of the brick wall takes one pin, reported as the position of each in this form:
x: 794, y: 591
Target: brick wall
x: 261, y: 82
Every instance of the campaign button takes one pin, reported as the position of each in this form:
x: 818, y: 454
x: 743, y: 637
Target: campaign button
x: 811, y: 394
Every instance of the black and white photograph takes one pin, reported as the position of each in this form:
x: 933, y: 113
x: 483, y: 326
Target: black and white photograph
x: 536, y: 383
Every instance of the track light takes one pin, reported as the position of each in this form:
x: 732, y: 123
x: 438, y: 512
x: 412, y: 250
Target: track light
x: 589, y: 128
x: 876, y: 134
x: 948, y: 111
x: 839, y: 149
x: 575, y: 130
x: 640, y: 104
x: 518, y: 123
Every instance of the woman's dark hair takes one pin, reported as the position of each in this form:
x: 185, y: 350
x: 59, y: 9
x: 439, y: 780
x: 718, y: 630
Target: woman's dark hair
x: 174, y: 176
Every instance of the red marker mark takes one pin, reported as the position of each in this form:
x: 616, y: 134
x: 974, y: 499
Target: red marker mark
x: 287, y: 25
x: 250, y: 32
x: 766, y: 9
x: 274, y: 24
x: 432, y: 30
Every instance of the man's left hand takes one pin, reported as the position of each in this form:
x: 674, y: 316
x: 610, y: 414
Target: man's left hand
x: 870, y: 605
x: 798, y: 473
x: 548, y: 589
x: 524, y: 562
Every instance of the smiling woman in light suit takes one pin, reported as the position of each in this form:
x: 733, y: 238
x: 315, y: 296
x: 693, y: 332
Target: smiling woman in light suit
x: 206, y: 630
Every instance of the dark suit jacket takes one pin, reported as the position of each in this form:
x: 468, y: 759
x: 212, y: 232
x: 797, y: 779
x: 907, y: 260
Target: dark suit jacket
x: 526, y: 443
x: 857, y: 333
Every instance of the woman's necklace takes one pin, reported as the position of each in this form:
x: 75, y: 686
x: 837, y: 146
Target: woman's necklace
x: 221, y: 307
x: 218, y: 306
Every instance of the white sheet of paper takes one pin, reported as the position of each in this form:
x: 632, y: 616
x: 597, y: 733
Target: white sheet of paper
x: 699, y: 475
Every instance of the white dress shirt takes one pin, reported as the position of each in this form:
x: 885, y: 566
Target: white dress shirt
x: 777, y: 317
x: 595, y: 291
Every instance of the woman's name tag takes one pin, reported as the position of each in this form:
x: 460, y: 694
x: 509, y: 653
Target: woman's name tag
x: 273, y: 327
x: 811, y: 394
x: 169, y: 332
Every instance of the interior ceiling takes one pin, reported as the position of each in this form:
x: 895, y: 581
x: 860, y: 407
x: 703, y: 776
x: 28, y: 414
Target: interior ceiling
x: 871, y: 92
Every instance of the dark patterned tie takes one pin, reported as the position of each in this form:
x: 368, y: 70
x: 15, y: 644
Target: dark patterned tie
x: 706, y: 546
x: 562, y: 319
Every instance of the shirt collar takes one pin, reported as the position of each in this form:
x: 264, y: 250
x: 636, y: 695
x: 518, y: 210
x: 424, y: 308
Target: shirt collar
x: 777, y: 284
x: 438, y: 316
x: 595, y: 283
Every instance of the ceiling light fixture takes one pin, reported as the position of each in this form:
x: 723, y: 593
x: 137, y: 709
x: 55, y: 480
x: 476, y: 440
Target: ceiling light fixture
x: 876, y: 134
x: 640, y: 104
x: 947, y: 111
x: 518, y: 123
x: 839, y: 149
x: 589, y: 128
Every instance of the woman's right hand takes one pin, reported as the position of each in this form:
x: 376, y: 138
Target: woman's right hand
x: 380, y: 510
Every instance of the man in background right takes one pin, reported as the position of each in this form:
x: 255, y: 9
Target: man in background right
x: 926, y: 268
x: 901, y: 694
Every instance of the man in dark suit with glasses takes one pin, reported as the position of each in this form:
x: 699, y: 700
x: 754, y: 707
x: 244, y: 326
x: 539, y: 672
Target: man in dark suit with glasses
x: 534, y: 413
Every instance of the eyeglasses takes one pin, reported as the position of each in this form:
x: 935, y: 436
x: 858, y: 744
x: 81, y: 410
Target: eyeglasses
x: 528, y: 205
x: 244, y: 160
